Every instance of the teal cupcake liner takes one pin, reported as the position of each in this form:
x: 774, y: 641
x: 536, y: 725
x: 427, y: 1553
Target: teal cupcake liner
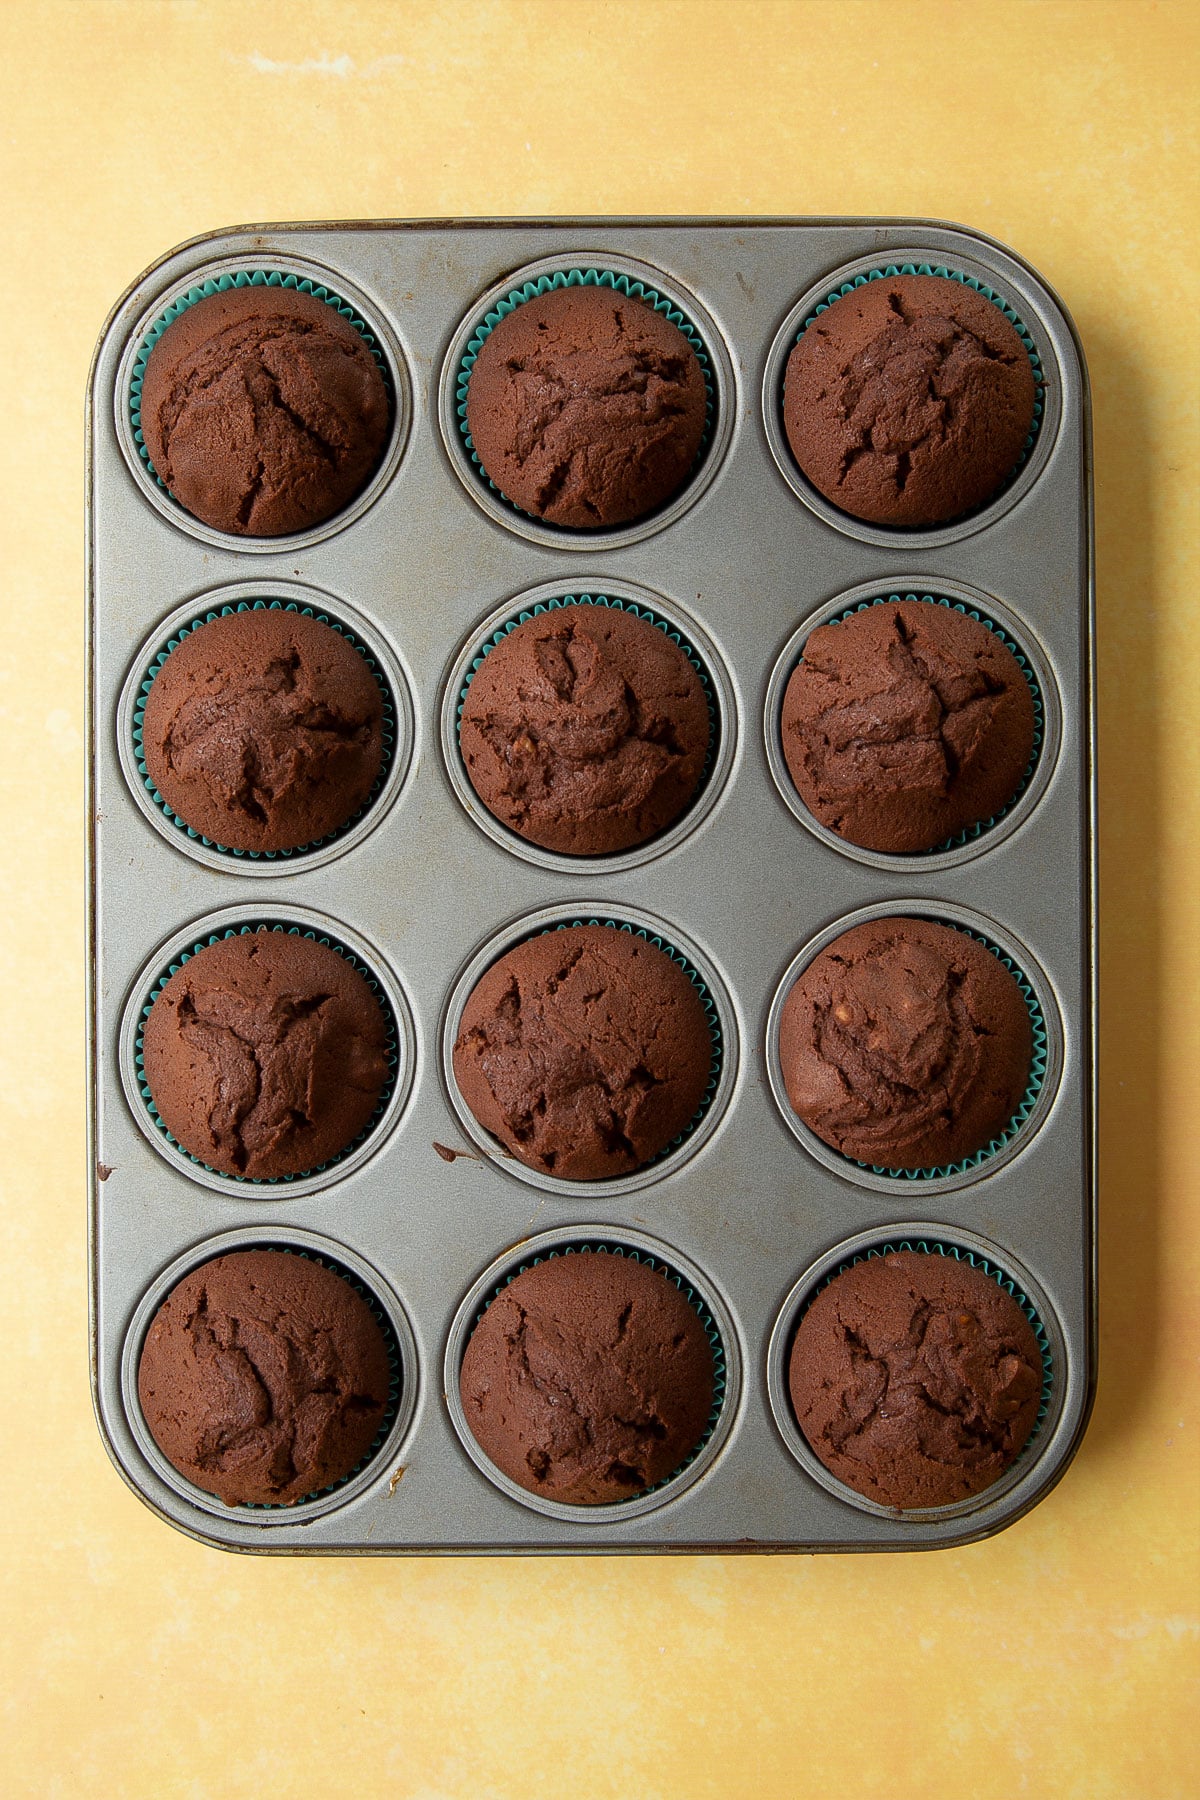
x: 389, y: 727
x: 617, y: 604
x: 633, y: 289
x: 698, y: 1304
x: 395, y: 1383
x: 220, y: 284
x: 943, y: 1247
x: 1037, y: 1078
x: 971, y: 832
x: 890, y: 270
x: 710, y: 1013
x: 248, y: 929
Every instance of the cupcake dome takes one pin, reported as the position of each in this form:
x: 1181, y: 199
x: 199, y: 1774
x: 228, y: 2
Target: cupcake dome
x: 908, y: 401
x: 588, y: 1379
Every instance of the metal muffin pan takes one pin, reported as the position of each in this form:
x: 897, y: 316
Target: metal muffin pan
x: 422, y: 568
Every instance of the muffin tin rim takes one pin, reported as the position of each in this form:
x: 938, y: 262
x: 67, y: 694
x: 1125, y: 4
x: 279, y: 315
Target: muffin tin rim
x: 918, y: 862
x: 518, y: 929
x: 918, y: 539
x: 1030, y: 1459
x: 674, y: 1487
x: 399, y: 433
x: 698, y: 809
x: 697, y: 482
x: 227, y: 862
x: 938, y: 912
x: 339, y: 1168
x: 483, y: 243
x: 261, y: 1237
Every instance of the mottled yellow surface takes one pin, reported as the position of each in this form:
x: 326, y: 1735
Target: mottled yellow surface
x: 1053, y: 1661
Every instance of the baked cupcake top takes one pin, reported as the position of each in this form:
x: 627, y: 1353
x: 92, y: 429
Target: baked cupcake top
x: 905, y: 723
x: 588, y: 1379
x: 585, y: 730
x: 266, y: 1054
x: 585, y: 1051
x: 264, y: 1377
x: 909, y: 400
x: 263, y: 410
x: 586, y: 408
x: 916, y: 1378
x: 906, y: 1044
x: 264, y: 730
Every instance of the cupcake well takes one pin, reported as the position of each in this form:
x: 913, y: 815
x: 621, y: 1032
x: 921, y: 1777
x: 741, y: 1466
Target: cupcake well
x: 397, y: 1053
x: 725, y: 1374
x: 927, y: 1242
x: 402, y: 1366
x: 971, y: 833
x: 1042, y: 1075
x: 389, y: 726
x: 720, y: 1024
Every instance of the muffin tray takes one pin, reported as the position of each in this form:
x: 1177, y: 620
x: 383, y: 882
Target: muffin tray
x: 749, y: 1208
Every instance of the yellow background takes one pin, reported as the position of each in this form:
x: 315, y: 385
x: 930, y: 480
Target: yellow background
x: 1054, y: 1660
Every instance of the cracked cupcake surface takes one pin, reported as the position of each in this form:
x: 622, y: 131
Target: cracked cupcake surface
x: 585, y: 1051
x: 586, y: 408
x: 264, y: 1377
x: 263, y: 730
x: 906, y: 1044
x: 266, y: 1054
x: 908, y: 400
x: 588, y: 1379
x: 263, y: 410
x: 915, y: 1378
x: 585, y: 730
x: 906, y: 723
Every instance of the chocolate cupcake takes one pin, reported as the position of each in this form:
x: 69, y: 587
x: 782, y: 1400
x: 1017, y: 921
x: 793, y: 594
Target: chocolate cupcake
x: 585, y: 730
x: 266, y: 1054
x: 916, y: 1378
x: 905, y: 723
x: 585, y: 1051
x: 588, y: 1379
x: 264, y: 1377
x: 909, y: 400
x: 263, y: 411
x: 586, y: 408
x: 906, y: 1044
x: 263, y: 730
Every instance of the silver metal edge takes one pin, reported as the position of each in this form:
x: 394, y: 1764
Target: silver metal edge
x: 676, y: 1485
x: 933, y: 861
x: 385, y: 654
x: 898, y: 1187
x: 693, y: 816
x: 338, y: 1169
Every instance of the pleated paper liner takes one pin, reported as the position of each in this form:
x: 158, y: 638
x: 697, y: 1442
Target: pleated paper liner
x: 891, y: 270
x: 634, y: 289
x: 613, y: 1247
x: 220, y: 284
x: 392, y: 1050
x: 946, y: 1247
x: 970, y: 833
x: 397, y: 1375
x: 389, y: 727
x: 636, y: 610
x: 711, y: 1015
